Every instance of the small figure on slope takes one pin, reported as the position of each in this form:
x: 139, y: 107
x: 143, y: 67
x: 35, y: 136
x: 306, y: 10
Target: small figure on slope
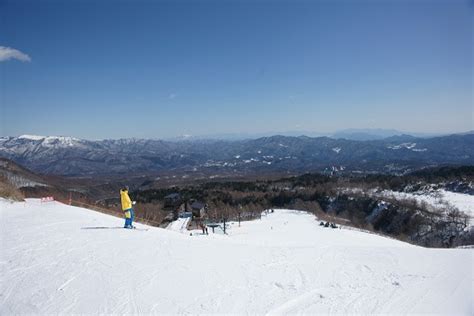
x: 204, y: 228
x: 127, y: 207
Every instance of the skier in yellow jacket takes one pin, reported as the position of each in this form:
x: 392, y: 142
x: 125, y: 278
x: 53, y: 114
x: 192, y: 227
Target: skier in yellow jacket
x: 127, y: 207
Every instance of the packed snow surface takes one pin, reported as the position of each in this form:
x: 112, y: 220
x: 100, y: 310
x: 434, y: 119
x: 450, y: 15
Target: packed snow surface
x: 179, y: 225
x: 62, y: 259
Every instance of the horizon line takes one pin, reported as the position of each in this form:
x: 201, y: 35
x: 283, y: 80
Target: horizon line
x: 245, y: 136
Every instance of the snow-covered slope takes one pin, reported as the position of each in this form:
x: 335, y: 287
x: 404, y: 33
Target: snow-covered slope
x: 62, y: 259
x: 179, y: 225
x: 439, y: 198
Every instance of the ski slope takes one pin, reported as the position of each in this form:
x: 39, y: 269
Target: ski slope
x: 62, y: 259
x: 179, y: 225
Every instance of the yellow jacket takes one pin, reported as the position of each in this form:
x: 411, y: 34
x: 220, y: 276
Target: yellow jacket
x: 126, y: 202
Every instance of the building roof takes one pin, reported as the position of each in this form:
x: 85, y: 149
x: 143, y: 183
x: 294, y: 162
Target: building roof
x: 197, y: 205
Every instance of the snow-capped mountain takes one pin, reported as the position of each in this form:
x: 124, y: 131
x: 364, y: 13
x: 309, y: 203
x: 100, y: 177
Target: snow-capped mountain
x: 53, y: 141
x: 32, y: 145
x: 72, y: 156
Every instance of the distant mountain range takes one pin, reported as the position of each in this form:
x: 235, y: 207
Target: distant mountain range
x: 352, y: 134
x: 376, y: 134
x: 276, y: 154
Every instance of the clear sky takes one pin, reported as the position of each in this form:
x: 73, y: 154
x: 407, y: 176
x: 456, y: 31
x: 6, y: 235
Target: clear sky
x: 157, y: 69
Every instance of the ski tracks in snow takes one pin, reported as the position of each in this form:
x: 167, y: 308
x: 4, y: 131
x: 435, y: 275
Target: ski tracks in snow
x: 283, y: 264
x: 339, y: 287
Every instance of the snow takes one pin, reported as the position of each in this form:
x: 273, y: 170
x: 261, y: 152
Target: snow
x: 464, y: 202
x: 404, y: 145
x: 61, y: 141
x: 439, y: 198
x: 336, y: 149
x: 179, y: 225
x: 251, y: 160
x: 19, y: 181
x: 32, y: 137
x: 46, y: 142
x: 49, y: 139
x: 58, y: 259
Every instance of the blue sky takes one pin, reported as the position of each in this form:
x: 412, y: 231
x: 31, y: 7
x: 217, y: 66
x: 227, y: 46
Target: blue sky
x: 112, y: 69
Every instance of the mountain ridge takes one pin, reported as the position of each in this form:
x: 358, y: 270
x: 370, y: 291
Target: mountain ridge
x: 278, y: 153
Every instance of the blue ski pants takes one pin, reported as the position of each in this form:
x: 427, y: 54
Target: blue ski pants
x: 129, y: 216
